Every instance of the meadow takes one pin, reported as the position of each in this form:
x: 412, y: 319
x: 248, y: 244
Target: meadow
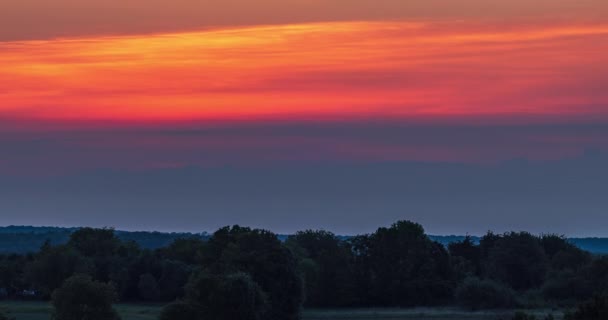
x: 42, y: 311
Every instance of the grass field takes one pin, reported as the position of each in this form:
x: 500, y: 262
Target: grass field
x: 42, y: 311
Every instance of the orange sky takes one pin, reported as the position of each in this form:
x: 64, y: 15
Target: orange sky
x: 319, y: 70
x: 39, y: 19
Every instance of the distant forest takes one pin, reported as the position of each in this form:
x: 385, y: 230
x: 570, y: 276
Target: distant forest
x: 29, y: 239
x: 244, y: 273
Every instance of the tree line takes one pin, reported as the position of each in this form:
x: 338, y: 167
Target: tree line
x: 244, y: 273
x: 28, y: 239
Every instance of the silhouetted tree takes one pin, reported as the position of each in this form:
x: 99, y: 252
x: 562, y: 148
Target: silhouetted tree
x: 186, y: 250
x: 326, y: 265
x: 82, y: 298
x: 260, y: 254
x: 408, y: 268
x: 476, y: 294
x: 469, y: 253
x: 148, y: 288
x: 92, y: 242
x: 518, y: 260
x: 52, y: 266
x: 227, y: 297
x: 174, y: 277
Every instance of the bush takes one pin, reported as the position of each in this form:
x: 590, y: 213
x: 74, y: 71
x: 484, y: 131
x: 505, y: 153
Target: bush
x: 148, y: 288
x: 226, y: 297
x: 82, y: 298
x: 269, y: 263
x: 476, y: 294
x: 523, y: 316
x: 566, y: 286
x: 596, y: 309
x: 4, y: 315
x: 518, y: 260
x: 180, y: 310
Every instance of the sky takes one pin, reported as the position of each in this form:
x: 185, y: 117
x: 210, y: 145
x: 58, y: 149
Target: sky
x: 464, y: 116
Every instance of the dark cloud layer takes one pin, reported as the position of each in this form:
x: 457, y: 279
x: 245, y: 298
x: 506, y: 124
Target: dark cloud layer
x: 259, y: 143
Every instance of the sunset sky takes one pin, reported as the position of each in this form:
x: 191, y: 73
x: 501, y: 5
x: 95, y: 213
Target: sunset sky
x: 293, y: 114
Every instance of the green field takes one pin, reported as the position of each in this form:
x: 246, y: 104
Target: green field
x: 41, y: 311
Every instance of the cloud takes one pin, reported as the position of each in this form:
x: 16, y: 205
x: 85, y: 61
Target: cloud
x: 36, y: 19
x: 322, y: 70
x: 257, y: 144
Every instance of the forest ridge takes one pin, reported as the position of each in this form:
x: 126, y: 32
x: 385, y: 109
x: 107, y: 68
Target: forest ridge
x: 28, y: 239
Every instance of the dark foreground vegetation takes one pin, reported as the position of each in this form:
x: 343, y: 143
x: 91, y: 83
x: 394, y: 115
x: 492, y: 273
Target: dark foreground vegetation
x: 243, y: 273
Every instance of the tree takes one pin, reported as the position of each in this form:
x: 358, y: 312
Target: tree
x: 12, y: 275
x: 227, y: 297
x: 468, y: 252
x: 476, y: 294
x: 562, y: 254
x: 566, y: 286
x: 325, y: 262
x: 53, y: 266
x: 148, y: 288
x: 82, y: 298
x: 517, y: 259
x: 101, y: 246
x: 406, y: 267
x: 174, y: 277
x: 186, y: 250
x: 261, y: 255
x: 92, y: 242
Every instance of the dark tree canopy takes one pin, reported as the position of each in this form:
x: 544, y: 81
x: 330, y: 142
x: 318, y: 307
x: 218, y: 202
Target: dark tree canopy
x: 396, y: 266
x: 270, y: 264
x: 476, y: 294
x: 95, y: 242
x: 53, y: 265
x: 148, y: 288
x: 326, y: 266
x: 82, y: 298
x: 407, y: 268
x: 518, y: 259
x: 227, y: 297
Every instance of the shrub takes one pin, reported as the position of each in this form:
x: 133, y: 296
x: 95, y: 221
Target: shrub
x: 520, y: 315
x: 180, y: 310
x: 4, y: 315
x: 476, y: 294
x: 148, y: 288
x: 82, y: 298
x: 566, y: 286
x: 596, y: 309
x: 261, y: 255
x: 227, y: 297
x: 518, y: 260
